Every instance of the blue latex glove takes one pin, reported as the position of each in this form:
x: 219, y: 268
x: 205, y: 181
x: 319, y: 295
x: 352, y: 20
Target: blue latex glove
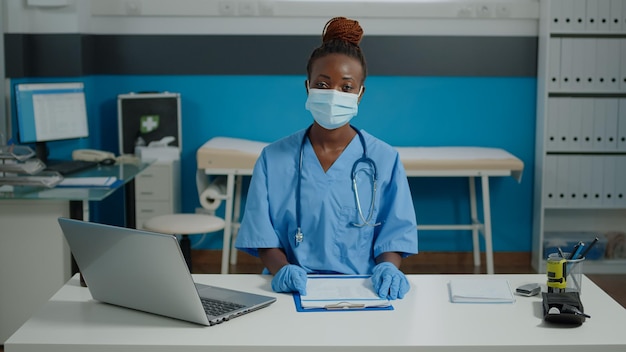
x: 389, y: 282
x: 290, y: 278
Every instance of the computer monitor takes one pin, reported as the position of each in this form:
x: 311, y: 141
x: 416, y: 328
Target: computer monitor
x: 50, y: 112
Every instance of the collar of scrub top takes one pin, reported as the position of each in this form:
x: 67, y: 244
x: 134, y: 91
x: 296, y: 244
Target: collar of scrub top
x: 363, y: 159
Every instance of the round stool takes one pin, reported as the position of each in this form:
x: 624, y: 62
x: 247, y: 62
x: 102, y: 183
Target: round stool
x: 185, y: 225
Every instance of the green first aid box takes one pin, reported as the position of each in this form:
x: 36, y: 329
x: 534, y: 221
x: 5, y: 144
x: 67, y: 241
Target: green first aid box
x: 148, y: 117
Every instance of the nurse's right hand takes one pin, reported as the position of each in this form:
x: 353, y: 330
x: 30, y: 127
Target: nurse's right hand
x: 290, y: 278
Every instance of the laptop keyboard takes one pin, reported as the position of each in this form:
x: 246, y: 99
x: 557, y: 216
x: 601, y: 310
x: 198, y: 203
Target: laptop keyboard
x: 216, y: 308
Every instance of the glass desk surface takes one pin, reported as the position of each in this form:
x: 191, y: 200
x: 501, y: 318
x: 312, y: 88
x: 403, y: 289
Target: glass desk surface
x: 123, y: 172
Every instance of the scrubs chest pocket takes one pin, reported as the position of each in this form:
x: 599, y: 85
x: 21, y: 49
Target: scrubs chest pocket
x: 351, y: 240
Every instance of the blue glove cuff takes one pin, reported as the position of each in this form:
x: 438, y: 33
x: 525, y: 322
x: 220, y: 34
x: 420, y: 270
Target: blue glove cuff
x: 380, y: 267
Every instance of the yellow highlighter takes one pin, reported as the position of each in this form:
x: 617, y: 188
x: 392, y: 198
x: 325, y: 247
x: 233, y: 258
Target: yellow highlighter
x: 557, y: 272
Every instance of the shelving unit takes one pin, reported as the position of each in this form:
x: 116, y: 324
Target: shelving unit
x: 580, y: 160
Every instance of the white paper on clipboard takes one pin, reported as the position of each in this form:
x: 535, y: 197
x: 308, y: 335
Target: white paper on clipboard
x: 341, y: 292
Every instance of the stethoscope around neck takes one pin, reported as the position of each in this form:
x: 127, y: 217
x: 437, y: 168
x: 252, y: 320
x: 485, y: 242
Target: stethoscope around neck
x: 365, y: 221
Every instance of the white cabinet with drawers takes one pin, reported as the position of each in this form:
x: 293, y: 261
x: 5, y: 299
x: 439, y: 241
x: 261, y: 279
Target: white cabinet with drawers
x: 157, y: 191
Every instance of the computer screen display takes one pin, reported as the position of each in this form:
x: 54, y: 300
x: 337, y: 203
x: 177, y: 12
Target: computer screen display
x: 51, y: 111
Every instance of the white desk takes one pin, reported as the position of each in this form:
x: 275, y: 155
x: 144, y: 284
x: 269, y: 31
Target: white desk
x: 235, y: 158
x: 423, y: 320
x: 35, y: 260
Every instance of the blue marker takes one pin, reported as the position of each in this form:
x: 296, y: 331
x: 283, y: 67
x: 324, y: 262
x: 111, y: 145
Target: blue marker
x: 578, y: 248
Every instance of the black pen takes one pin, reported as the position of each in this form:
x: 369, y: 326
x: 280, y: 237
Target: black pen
x: 575, y: 250
x: 584, y: 253
x: 573, y: 310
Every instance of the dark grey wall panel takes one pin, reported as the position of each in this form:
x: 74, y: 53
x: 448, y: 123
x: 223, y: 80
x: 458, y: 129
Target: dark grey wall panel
x: 451, y: 56
x: 40, y: 55
x: 240, y: 55
x: 34, y: 55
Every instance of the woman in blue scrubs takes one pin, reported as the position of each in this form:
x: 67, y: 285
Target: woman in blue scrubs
x: 331, y: 198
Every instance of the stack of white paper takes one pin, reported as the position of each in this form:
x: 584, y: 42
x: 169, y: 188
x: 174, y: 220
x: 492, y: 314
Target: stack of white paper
x: 480, y: 290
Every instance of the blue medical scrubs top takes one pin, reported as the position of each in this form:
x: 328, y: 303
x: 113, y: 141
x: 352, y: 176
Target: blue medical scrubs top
x: 331, y: 243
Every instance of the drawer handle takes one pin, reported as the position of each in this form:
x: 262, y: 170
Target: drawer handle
x: 147, y: 211
x: 146, y: 193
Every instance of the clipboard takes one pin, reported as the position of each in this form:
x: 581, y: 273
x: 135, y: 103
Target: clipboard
x: 339, y: 293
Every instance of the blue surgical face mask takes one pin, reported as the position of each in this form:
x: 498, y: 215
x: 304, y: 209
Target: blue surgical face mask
x: 331, y: 108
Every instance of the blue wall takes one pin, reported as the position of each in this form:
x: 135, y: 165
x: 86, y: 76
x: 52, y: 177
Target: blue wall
x: 403, y: 111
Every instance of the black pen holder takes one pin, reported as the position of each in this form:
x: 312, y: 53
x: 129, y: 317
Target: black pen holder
x: 563, y: 308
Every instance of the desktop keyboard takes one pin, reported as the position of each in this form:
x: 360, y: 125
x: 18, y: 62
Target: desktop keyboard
x: 70, y: 166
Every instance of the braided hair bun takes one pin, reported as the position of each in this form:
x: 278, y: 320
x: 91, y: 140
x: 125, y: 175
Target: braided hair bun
x: 344, y: 29
x: 341, y: 35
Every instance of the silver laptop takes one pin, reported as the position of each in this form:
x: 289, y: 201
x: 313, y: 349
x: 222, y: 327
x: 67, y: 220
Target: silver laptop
x: 146, y: 271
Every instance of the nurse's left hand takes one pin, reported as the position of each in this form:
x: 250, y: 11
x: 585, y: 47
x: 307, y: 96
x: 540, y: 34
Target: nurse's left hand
x: 389, y: 282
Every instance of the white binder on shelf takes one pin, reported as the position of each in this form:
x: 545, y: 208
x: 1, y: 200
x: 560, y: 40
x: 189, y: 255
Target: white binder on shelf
x: 599, y: 125
x: 562, y: 119
x: 586, y: 129
x: 556, y: 15
x: 574, y: 126
x: 598, y: 78
x: 585, y: 180
x: 602, y: 64
x: 592, y: 16
x: 623, y: 59
x: 621, y: 126
x: 623, y: 17
x: 604, y: 15
x: 610, y: 134
x: 597, y: 181
x: 578, y: 65
x: 554, y: 64
x: 566, y: 63
x: 567, y: 10
x: 552, y: 124
x: 579, y: 11
x: 573, y: 181
x: 562, y: 180
x: 608, y: 199
x: 616, y: 17
x: 589, y: 64
x: 549, y: 172
x: 620, y: 185
x: 613, y: 48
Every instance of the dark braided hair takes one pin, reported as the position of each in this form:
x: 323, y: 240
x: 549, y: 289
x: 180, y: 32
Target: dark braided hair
x: 340, y: 36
